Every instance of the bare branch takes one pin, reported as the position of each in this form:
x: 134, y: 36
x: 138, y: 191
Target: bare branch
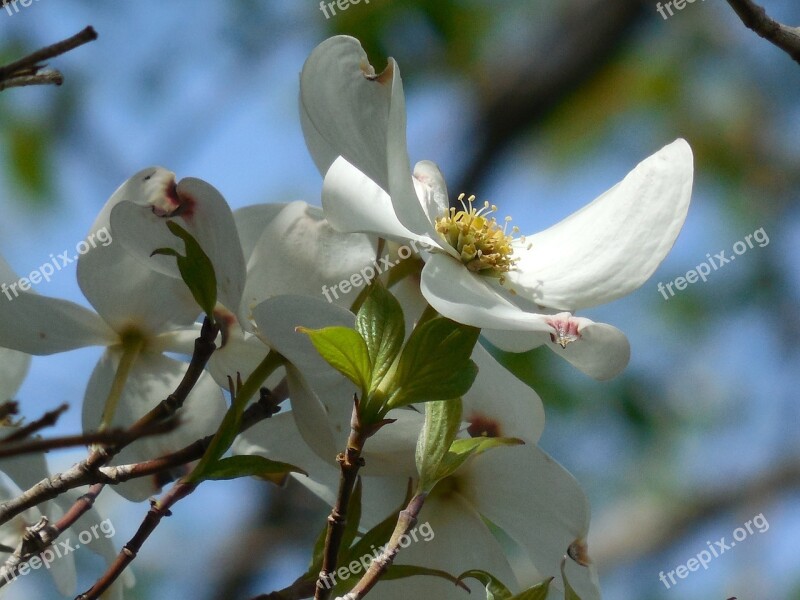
x: 49, y: 419
x: 756, y: 18
x: 29, y: 69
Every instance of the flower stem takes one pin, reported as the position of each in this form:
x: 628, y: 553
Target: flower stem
x: 131, y: 349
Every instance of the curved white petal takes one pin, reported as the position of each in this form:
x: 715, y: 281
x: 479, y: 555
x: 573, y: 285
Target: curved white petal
x: 13, y: 369
x: 354, y: 203
x: 300, y: 253
x: 152, y: 378
x: 463, y: 296
x: 251, y: 221
x: 501, y: 404
x: 611, y: 246
x: 37, y: 324
x: 601, y: 351
x: 204, y: 213
x: 344, y: 107
x: 124, y: 291
x: 534, y: 500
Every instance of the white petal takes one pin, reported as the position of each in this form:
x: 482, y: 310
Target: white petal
x: 611, y: 246
x: 462, y: 296
x: 326, y: 396
x: 300, y: 253
x: 602, y: 351
x: 456, y: 540
x: 354, y: 203
x: 39, y: 325
x: 534, y: 500
x: 203, y: 212
x: 251, y: 221
x: 500, y: 401
x: 13, y: 369
x: 344, y: 107
x: 152, y: 378
x: 122, y: 289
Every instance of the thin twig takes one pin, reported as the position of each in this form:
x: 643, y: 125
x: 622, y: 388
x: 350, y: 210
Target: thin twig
x: 49, y: 488
x: 158, y: 510
x: 41, y: 536
x: 8, y: 408
x: 49, y: 419
x: 756, y: 18
x: 111, y: 436
x: 406, y: 521
x: 28, y: 70
x: 350, y: 461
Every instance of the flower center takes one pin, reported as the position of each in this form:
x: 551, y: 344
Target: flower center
x: 483, y: 245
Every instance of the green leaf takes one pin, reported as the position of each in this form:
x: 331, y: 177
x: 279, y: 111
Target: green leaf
x: 345, y: 350
x: 435, y: 363
x: 381, y: 323
x: 495, y: 590
x: 197, y: 270
x: 402, y: 571
x: 537, y: 592
x: 461, y: 450
x: 569, y: 593
x: 234, y: 467
x: 442, y: 422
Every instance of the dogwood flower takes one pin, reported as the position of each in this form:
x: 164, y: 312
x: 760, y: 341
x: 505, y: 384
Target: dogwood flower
x: 521, y: 290
x: 141, y: 314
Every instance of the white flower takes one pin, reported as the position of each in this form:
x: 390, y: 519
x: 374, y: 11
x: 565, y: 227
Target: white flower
x: 354, y: 121
x: 141, y: 314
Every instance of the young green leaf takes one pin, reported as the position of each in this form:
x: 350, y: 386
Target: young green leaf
x: 402, y: 571
x: 495, y: 590
x: 234, y: 467
x: 381, y: 323
x: 435, y: 363
x: 537, y: 592
x: 462, y: 449
x: 442, y: 422
x: 196, y: 269
x: 345, y: 350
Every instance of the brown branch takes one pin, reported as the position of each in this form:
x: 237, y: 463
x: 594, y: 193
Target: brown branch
x: 406, y: 520
x: 350, y: 461
x: 111, y: 436
x: 158, y: 510
x: 756, y: 18
x: 515, y: 101
x: 46, y: 489
x: 29, y: 69
x: 37, y: 538
x: 47, y: 420
x: 8, y: 408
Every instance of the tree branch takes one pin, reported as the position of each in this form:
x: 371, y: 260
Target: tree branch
x: 37, y: 538
x: 29, y: 70
x: 756, y: 18
x: 46, y: 489
x: 49, y: 419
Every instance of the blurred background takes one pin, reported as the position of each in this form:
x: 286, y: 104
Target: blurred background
x: 536, y: 106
